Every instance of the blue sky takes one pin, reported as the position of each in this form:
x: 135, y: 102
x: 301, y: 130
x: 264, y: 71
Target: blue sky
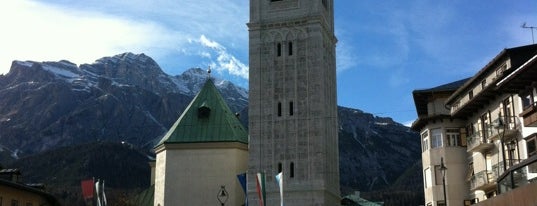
x: 386, y: 49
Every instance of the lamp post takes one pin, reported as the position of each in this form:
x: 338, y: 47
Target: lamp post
x: 443, y: 169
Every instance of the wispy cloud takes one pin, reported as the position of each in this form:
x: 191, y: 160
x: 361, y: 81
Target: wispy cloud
x: 224, y: 61
x: 42, y: 32
x: 83, y: 31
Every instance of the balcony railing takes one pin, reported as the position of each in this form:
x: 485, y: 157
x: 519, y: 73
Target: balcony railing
x: 525, y: 172
x: 483, y: 180
x: 504, y: 127
x: 478, y: 142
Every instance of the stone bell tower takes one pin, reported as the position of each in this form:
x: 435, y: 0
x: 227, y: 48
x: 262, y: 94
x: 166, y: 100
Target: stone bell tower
x: 293, y: 108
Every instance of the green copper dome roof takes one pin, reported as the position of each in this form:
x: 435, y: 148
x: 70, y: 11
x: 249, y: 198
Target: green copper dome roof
x: 206, y: 119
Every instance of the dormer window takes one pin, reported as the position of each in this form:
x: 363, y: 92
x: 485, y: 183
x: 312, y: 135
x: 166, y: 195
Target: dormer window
x: 204, y: 111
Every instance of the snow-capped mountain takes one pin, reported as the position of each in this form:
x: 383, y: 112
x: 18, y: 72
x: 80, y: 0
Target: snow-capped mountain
x: 128, y: 98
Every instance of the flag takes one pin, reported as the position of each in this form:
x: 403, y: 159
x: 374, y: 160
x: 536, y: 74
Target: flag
x: 98, y: 191
x: 87, y: 188
x: 279, y: 180
x: 101, y: 197
x: 104, y: 197
x: 242, y: 180
x: 260, y: 177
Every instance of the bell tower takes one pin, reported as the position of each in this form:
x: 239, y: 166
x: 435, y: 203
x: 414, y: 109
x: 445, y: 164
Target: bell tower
x: 293, y: 108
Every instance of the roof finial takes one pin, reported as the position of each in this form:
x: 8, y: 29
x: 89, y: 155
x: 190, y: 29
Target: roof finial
x: 209, y: 71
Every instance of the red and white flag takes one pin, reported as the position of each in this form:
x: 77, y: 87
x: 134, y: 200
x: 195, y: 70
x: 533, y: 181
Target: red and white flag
x: 87, y: 188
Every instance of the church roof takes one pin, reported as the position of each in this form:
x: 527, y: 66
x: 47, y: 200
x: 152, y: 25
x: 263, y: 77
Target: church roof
x: 206, y: 119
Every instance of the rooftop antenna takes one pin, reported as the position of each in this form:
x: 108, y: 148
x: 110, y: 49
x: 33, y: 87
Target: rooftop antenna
x: 531, y: 28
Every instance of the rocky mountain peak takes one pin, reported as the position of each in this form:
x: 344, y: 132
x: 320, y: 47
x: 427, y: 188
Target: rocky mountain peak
x: 128, y: 98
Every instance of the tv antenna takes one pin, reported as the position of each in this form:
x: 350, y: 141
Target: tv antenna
x: 524, y: 26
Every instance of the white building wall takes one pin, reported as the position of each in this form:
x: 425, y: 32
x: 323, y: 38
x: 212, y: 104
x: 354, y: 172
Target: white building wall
x: 455, y: 160
x: 195, y: 176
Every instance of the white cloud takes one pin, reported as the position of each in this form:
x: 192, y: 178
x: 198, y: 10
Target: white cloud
x: 224, y: 60
x: 40, y: 32
x: 84, y: 31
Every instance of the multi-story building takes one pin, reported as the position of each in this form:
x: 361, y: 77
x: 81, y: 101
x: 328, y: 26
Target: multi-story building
x: 479, y: 134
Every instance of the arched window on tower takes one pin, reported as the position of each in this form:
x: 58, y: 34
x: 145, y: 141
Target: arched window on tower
x: 279, y: 109
x: 290, y: 47
x: 292, y: 170
x: 279, y: 49
x: 291, y: 112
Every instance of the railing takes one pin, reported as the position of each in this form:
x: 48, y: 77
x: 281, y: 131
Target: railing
x: 530, y: 115
x: 477, y: 141
x: 503, y: 127
x: 518, y: 174
x: 482, y: 179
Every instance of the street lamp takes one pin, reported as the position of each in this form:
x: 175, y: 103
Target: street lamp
x: 443, y: 169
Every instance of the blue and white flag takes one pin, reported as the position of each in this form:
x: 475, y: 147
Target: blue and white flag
x: 279, y: 180
x: 242, y: 180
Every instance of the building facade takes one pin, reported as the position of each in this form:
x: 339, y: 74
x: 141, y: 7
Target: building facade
x: 292, y: 101
x: 14, y: 192
x: 482, y: 130
x: 198, y: 160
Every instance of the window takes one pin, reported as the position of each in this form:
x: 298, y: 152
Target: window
x: 425, y: 141
x: 204, y: 111
x: 438, y: 175
x: 453, y: 137
x: 325, y: 4
x: 275, y: 0
x: 500, y: 70
x: 471, y: 94
x: 291, y: 109
x: 279, y: 167
x: 279, y: 49
x: 427, y: 178
x: 527, y: 100
x: 290, y: 48
x: 532, y: 146
x: 279, y: 109
x: 292, y: 170
x: 436, y: 138
x: 484, y: 84
x: 440, y: 203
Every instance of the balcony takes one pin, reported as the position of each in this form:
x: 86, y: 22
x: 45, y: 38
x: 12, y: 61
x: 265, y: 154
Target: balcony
x: 484, y: 180
x: 530, y: 115
x: 478, y: 142
x: 518, y: 174
x: 504, y: 127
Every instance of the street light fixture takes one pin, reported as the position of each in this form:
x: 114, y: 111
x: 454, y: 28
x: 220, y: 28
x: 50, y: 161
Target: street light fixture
x: 443, y: 169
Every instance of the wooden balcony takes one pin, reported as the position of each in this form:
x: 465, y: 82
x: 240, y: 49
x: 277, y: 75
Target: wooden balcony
x: 530, y: 115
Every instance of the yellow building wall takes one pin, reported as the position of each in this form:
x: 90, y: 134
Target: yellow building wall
x: 195, y: 176
x: 23, y: 197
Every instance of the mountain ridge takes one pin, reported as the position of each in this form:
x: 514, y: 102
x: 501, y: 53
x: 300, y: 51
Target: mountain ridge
x: 127, y: 98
